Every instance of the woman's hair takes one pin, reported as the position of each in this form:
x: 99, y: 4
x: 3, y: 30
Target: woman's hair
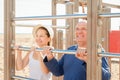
x: 47, y: 33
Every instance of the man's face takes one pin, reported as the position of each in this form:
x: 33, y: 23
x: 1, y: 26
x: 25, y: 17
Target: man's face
x: 81, y: 32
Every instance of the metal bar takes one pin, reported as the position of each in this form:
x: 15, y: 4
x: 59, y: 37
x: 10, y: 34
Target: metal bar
x: 40, y: 49
x: 21, y: 78
x: 53, y: 51
x: 108, y: 15
x: 51, y: 17
x: 64, y: 16
x: 108, y: 54
x: 103, y: 54
x: 23, y: 48
x: 32, y: 25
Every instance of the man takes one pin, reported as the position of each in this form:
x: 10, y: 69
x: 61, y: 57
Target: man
x: 73, y: 67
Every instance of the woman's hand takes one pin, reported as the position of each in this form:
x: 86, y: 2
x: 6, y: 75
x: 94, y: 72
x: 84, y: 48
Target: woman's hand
x: 33, y: 48
x: 16, y: 47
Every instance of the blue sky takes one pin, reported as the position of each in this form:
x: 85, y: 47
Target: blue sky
x: 43, y: 7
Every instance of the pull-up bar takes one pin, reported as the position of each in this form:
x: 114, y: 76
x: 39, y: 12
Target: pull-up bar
x: 107, y: 15
x: 109, y: 54
x: 101, y: 54
x: 22, y: 78
x: 53, y: 50
x: 50, y: 17
x: 31, y: 25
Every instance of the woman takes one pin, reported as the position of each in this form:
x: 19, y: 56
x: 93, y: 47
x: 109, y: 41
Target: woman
x: 38, y: 71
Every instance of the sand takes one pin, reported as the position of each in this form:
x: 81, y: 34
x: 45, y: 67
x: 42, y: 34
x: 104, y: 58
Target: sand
x: 26, y: 40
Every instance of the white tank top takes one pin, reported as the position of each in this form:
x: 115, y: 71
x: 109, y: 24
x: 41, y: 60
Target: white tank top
x: 35, y: 69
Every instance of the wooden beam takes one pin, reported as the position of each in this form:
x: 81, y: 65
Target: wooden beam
x: 92, y: 18
x: 111, y: 5
x: 9, y: 37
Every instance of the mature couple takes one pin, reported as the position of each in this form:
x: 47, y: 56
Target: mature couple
x: 72, y: 66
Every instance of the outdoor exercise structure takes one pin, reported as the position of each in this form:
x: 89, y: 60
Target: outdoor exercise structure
x: 98, y: 18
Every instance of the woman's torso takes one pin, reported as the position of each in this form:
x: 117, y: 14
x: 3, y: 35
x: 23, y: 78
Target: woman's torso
x: 36, y: 70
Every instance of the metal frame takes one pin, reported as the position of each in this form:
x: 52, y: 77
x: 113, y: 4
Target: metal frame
x: 21, y: 78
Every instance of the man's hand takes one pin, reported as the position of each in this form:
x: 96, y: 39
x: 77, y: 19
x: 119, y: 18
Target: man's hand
x: 82, y: 54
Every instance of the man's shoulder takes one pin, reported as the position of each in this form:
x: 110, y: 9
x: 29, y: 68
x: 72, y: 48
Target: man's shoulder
x: 73, y: 47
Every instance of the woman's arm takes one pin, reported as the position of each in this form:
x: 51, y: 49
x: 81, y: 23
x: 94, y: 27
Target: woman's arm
x: 43, y: 66
x: 21, y: 63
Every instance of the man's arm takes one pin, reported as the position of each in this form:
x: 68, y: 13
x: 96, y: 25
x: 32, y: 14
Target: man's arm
x: 106, y: 75
x: 54, y: 66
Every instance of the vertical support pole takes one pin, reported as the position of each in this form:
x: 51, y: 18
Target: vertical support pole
x: 92, y: 17
x: 59, y: 39
x: 9, y: 36
x: 75, y: 20
x: 106, y: 29
x: 54, y: 22
x: 106, y: 22
x: 69, y: 31
x: 89, y: 39
x: 60, y: 46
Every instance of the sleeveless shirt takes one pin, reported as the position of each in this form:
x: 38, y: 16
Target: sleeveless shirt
x: 36, y: 70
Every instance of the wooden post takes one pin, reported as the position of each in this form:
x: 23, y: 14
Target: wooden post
x: 92, y: 18
x: 106, y: 30
x: 9, y: 37
x: 60, y: 46
x: 75, y: 21
x: 69, y: 31
x: 54, y: 22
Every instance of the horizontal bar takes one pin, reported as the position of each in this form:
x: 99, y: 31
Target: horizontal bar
x: 103, y: 54
x: 40, y: 49
x: 109, y: 15
x: 53, y: 26
x: 68, y: 16
x: 109, y: 54
x: 53, y: 51
x: 22, y: 78
x: 51, y: 17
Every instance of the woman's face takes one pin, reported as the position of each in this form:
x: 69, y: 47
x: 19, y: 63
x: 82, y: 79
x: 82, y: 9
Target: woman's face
x: 41, y: 38
x: 81, y: 33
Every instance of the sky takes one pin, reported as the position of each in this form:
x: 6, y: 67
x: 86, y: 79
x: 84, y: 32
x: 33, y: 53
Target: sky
x: 1, y: 16
x: 43, y: 7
